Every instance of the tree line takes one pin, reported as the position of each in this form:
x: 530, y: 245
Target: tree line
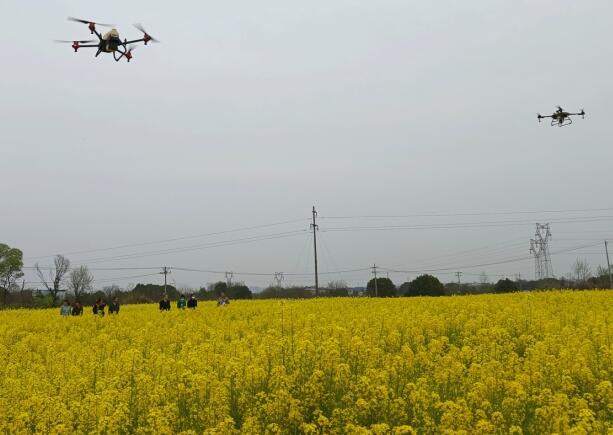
x: 60, y: 281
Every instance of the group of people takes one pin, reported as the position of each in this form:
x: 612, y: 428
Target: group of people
x: 190, y: 303
x: 76, y: 308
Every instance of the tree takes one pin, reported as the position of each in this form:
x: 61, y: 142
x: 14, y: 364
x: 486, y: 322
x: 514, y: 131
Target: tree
x: 338, y: 288
x: 220, y: 287
x: 239, y: 291
x: 581, y: 272
x: 425, y: 285
x: 385, y: 288
x: 56, y: 276
x: 11, y: 262
x: 80, y: 281
x: 505, y: 286
x: 110, y: 291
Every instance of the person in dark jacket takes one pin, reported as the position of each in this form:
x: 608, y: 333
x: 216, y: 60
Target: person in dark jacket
x: 98, y: 308
x: 77, y: 309
x: 114, y: 306
x: 165, y: 304
x: 192, y: 302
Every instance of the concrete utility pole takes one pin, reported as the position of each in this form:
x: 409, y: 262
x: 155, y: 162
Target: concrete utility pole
x: 315, y: 227
x: 459, y: 274
x: 374, y: 271
x: 165, y: 271
x: 606, y: 248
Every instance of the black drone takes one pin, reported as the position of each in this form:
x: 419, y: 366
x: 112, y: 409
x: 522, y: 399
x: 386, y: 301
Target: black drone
x: 110, y: 42
x: 560, y: 117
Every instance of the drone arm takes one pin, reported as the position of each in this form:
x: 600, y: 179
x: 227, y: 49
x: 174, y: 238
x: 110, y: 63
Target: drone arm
x: 133, y: 42
x: 88, y: 46
x: 97, y: 34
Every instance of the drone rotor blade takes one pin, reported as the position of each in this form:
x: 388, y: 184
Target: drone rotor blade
x: 79, y: 20
x: 142, y: 29
x: 63, y: 41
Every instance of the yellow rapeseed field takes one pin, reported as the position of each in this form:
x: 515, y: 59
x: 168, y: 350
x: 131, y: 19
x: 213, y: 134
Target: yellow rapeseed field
x: 518, y: 363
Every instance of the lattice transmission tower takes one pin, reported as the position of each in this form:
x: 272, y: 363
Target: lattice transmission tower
x: 539, y: 247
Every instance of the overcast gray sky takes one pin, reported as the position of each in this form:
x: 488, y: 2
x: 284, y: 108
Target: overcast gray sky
x: 248, y: 113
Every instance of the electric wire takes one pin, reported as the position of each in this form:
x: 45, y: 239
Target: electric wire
x: 494, y: 263
x: 480, y: 225
x: 174, y: 239
x: 482, y: 213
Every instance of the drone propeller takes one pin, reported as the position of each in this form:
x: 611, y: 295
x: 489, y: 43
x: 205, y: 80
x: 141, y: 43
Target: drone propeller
x: 129, y: 50
x: 78, y: 20
x: 147, y: 37
x: 62, y: 41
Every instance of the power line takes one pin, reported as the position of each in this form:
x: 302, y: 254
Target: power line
x: 484, y: 213
x: 196, y: 247
x: 494, y: 263
x: 97, y: 268
x: 463, y: 224
x: 195, y: 236
x: 111, y: 279
x: 305, y: 274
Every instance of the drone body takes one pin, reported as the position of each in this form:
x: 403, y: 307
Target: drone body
x: 560, y: 117
x: 110, y: 42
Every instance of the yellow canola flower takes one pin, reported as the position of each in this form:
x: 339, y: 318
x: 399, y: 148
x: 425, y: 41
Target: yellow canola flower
x: 526, y: 363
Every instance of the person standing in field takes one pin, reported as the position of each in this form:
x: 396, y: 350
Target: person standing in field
x: 65, y: 309
x: 114, y: 306
x: 192, y: 303
x: 223, y: 300
x: 181, y: 303
x: 165, y: 304
x: 77, y: 309
x: 98, y: 308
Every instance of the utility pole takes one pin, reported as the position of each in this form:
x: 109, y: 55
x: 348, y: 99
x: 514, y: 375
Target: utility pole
x: 374, y: 271
x: 459, y: 274
x: 165, y: 271
x: 315, y: 227
x: 606, y: 248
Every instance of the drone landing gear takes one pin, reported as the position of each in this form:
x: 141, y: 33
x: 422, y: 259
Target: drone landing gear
x: 563, y: 123
x: 127, y: 54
